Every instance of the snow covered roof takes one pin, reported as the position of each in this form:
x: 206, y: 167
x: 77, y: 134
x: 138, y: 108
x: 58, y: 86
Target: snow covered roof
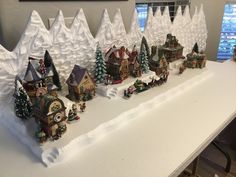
x: 118, y: 53
x: 32, y: 74
x: 49, y: 71
x: 44, y: 102
x: 76, y: 75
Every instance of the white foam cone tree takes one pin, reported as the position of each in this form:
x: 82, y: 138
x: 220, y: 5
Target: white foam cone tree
x: 134, y: 35
x: 149, y: 30
x: 105, y: 34
x: 119, y: 29
x: 158, y: 35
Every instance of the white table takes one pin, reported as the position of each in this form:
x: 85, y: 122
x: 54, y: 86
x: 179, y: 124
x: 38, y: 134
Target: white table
x: 160, y: 144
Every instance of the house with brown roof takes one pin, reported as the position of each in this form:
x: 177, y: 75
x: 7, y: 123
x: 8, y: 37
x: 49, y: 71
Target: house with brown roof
x: 80, y: 84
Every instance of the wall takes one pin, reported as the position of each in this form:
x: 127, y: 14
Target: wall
x: 214, y: 11
x: 14, y: 15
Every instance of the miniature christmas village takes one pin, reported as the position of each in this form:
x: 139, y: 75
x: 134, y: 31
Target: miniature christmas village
x: 36, y: 94
x: 52, y: 94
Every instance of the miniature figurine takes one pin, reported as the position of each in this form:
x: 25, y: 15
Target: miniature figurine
x: 73, y: 114
x: 80, y: 84
x: 40, y: 135
x: 182, y: 69
x: 140, y: 86
x: 82, y: 107
x: 128, y: 92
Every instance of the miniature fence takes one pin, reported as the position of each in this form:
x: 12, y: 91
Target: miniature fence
x: 76, y: 45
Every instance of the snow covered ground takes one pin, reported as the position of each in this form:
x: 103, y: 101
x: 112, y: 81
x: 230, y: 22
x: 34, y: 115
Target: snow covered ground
x: 117, y: 90
x: 101, y: 117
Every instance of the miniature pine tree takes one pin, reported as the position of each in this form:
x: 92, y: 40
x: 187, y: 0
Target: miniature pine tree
x: 71, y: 115
x: 195, y: 48
x: 100, y: 68
x: 144, y: 43
x: 49, y: 63
x: 143, y: 58
x: 23, y: 105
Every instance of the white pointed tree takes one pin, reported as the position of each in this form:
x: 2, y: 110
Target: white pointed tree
x: 105, y: 34
x: 84, y: 44
x: 157, y: 28
x: 201, y: 35
x: 149, y: 28
x: 166, y: 23
x: 193, y: 27
x: 187, y: 33
x: 135, y: 35
x: 177, y: 24
x: 119, y: 29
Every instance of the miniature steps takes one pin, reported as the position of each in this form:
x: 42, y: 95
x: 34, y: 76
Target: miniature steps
x: 51, y: 156
x: 112, y: 93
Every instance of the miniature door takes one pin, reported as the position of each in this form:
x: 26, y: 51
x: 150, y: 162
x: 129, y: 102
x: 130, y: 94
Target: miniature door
x: 124, y: 70
x: 54, y: 130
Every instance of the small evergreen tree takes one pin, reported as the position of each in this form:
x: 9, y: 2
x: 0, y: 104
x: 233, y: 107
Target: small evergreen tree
x: 195, y: 48
x: 71, y: 115
x: 143, y: 58
x: 100, y: 68
x: 144, y: 43
x: 23, y: 105
x: 49, y: 63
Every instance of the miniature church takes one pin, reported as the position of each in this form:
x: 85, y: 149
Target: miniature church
x: 172, y: 50
x: 41, y: 77
x: 156, y: 63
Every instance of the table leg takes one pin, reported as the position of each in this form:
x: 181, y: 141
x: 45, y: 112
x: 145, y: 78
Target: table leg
x: 193, y: 173
x: 227, y: 156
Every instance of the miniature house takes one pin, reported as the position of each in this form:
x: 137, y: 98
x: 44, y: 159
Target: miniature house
x: 195, y: 60
x: 49, y: 112
x: 156, y: 63
x: 172, y: 50
x: 117, y: 63
x: 80, y: 84
x: 134, y: 66
x: 36, y: 83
